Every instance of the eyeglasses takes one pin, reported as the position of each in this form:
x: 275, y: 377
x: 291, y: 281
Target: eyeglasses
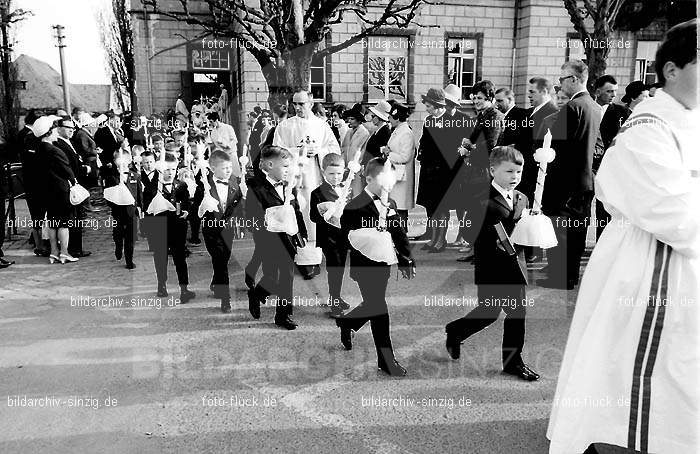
x: 562, y: 79
x: 298, y: 103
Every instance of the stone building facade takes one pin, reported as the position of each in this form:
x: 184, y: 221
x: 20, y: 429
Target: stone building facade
x: 460, y: 41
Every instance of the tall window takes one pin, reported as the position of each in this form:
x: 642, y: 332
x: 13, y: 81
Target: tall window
x: 461, y: 63
x: 644, y: 68
x: 318, y: 78
x: 387, y: 59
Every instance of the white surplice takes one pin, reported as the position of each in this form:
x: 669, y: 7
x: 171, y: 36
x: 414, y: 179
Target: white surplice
x: 631, y: 370
x: 289, y: 134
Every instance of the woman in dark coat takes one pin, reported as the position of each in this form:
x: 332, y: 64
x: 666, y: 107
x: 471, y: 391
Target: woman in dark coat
x: 435, y: 151
x: 59, y: 179
x: 484, y: 137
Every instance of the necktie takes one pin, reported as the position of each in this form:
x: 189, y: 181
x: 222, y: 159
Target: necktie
x: 225, y: 183
x: 280, y: 183
x: 167, y: 187
x: 376, y: 197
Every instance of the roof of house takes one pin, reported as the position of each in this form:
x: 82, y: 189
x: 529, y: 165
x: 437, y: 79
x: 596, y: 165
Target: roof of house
x: 44, y: 89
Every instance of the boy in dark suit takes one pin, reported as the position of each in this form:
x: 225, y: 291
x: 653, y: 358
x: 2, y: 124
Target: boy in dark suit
x: 328, y: 237
x: 371, y: 276
x: 149, y: 177
x: 500, y: 278
x: 168, y: 230
x: 218, y: 227
x: 125, y: 216
x: 268, y: 189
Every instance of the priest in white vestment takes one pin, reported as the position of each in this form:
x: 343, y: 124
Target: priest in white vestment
x: 630, y: 374
x: 317, y: 137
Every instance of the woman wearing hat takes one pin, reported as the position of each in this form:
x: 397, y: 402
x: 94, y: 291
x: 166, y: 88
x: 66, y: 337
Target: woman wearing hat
x: 354, y: 141
x: 401, y: 149
x: 339, y: 128
x: 379, y: 116
x: 435, y: 172
x: 59, y: 179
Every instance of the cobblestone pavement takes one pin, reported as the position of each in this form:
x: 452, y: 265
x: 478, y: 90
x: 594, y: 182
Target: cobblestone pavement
x: 135, y: 375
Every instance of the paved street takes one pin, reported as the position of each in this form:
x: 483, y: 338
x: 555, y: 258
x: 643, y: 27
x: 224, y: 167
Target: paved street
x: 140, y: 376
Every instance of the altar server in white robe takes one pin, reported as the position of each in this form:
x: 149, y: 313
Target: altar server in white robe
x: 290, y: 134
x: 630, y: 372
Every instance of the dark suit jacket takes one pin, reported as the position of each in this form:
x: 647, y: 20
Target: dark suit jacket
x: 218, y: 221
x: 615, y: 116
x: 327, y: 236
x: 493, y: 266
x: 149, y: 188
x: 378, y: 139
x: 516, y: 130
x: 33, y: 168
x: 109, y: 142
x: 361, y: 212
x: 536, y: 131
x: 570, y: 176
x: 261, y: 196
x: 178, y: 194
x: 133, y: 183
x: 75, y: 160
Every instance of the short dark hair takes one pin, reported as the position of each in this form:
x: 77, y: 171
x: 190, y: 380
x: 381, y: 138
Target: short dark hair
x: 604, y: 79
x: 213, y: 116
x: 178, y: 133
x: 197, y: 137
x: 218, y: 156
x: 332, y: 159
x: 375, y: 166
x: 679, y: 47
x: 147, y: 153
x: 280, y: 110
x: 272, y: 152
x: 484, y: 86
x: 157, y: 138
x: 339, y: 109
x: 76, y: 110
x: 505, y: 154
x: 169, y: 157
x: 32, y: 116
x: 541, y: 83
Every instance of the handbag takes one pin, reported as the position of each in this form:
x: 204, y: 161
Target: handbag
x: 78, y: 194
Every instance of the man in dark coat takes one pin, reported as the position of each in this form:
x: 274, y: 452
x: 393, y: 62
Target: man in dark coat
x: 85, y: 145
x: 80, y: 170
x: 516, y: 127
x: 568, y: 190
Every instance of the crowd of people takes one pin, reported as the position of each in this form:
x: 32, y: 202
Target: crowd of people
x: 307, y: 182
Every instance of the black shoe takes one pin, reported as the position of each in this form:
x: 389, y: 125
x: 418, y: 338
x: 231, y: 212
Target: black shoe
x: 118, y: 254
x: 286, y: 323
x: 427, y: 247
x: 42, y: 252
x: 435, y: 249
x: 225, y: 306
x: 453, y: 345
x: 556, y: 284
x: 130, y: 266
x: 346, y: 337
x: 4, y: 265
x: 195, y: 241
x: 80, y: 254
x: 466, y: 259
x: 162, y: 291
x: 186, y: 295
x: 393, y: 369
x: 522, y: 371
x: 253, y: 304
x: 249, y: 281
x: 6, y: 262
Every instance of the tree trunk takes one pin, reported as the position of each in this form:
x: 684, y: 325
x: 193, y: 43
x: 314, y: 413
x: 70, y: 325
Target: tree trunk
x: 596, y: 67
x: 292, y: 72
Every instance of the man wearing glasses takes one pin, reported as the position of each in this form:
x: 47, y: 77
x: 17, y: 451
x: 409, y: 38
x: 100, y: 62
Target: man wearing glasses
x: 568, y: 191
x: 80, y: 169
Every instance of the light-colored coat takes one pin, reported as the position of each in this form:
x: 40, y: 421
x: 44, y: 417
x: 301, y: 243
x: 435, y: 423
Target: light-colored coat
x: 402, y: 146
